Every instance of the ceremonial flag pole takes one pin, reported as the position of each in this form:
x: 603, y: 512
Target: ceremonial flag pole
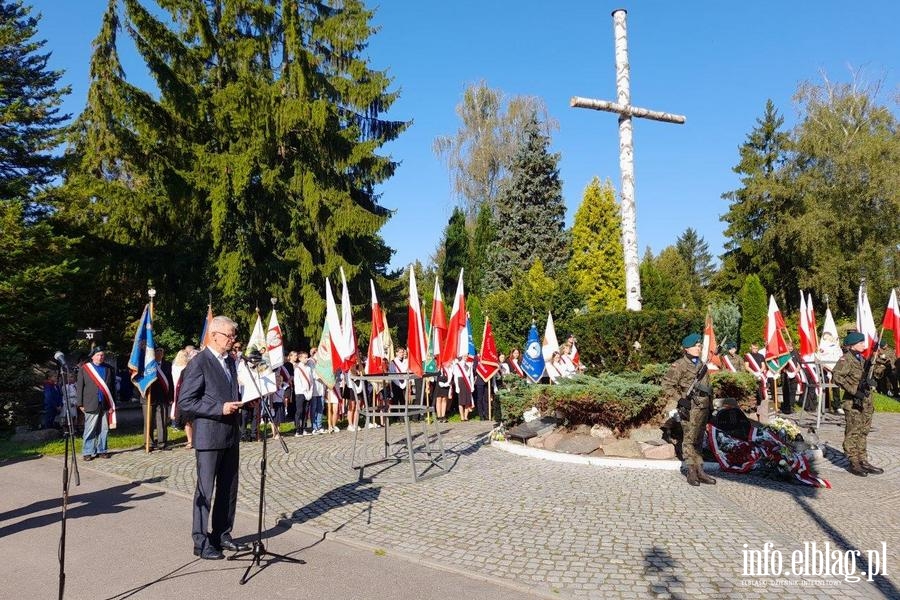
x: 143, y: 363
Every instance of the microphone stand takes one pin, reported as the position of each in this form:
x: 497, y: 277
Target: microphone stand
x: 68, y: 433
x: 258, y: 549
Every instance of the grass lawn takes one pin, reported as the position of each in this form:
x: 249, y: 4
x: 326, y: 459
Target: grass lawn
x: 119, y: 439
x: 886, y: 403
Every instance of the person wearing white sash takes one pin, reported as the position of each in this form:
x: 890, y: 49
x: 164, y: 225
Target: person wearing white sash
x: 93, y: 392
x: 463, y: 385
x: 398, y: 386
x: 303, y: 393
x: 554, y: 368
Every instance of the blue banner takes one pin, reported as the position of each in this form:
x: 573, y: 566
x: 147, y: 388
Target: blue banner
x: 532, y: 357
x: 143, y: 354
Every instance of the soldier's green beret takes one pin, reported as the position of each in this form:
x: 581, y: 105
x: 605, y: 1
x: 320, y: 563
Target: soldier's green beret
x: 690, y: 340
x: 96, y: 350
x: 854, y: 337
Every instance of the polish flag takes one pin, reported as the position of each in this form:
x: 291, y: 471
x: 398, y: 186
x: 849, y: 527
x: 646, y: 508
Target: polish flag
x: 805, y: 332
x: 865, y: 323
x: 376, y: 361
x: 415, y: 340
x: 438, y: 321
x: 274, y: 342
x: 340, y: 350
x: 811, y: 319
x: 347, y: 329
x: 456, y: 342
x: 892, y: 318
x: 777, y: 355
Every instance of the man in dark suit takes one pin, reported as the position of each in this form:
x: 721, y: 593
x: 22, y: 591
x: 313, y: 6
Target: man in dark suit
x: 208, y: 394
x: 94, y: 391
x: 161, y: 396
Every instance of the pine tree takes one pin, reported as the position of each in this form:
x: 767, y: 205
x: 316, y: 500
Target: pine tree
x: 597, y: 260
x: 258, y: 162
x: 530, y: 213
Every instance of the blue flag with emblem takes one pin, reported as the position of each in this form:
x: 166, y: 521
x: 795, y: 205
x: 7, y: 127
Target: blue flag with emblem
x: 143, y: 354
x: 532, y: 356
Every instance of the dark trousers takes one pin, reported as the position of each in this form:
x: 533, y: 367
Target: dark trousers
x: 302, y: 407
x: 481, y: 401
x: 217, y: 473
x: 789, y: 391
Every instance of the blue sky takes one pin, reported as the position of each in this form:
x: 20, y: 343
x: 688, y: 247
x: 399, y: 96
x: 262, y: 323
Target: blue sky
x: 715, y: 62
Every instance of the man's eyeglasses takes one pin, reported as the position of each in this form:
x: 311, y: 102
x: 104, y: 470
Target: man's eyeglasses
x: 229, y: 336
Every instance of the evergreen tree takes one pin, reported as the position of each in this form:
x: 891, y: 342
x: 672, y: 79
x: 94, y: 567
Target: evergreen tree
x: 35, y: 268
x: 254, y: 173
x: 597, y: 260
x: 754, y: 240
x: 754, y: 309
x: 456, y: 255
x: 30, y: 98
x: 694, y: 250
x: 530, y: 213
x: 483, y: 236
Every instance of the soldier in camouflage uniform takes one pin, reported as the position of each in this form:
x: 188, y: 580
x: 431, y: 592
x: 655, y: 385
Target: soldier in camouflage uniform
x: 885, y: 376
x: 849, y: 374
x: 675, y: 386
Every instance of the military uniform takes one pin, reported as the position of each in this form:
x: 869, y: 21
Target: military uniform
x: 885, y: 376
x: 676, y: 383
x: 857, y: 404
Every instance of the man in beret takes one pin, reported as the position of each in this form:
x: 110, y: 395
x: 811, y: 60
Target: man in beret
x: 676, y: 383
x: 850, y: 376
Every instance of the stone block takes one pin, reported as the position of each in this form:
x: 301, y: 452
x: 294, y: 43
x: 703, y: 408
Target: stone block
x: 623, y: 448
x: 663, y: 452
x: 578, y: 444
x: 601, y: 431
x: 535, y: 442
x: 646, y: 434
x: 552, y: 439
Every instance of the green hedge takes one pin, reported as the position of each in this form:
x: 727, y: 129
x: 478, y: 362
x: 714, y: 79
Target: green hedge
x: 740, y: 386
x: 606, y: 340
x: 614, y: 401
x: 21, y: 398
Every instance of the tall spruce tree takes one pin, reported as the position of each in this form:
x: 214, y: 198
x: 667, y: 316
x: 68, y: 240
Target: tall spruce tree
x: 253, y: 173
x: 530, y: 213
x: 754, y: 239
x: 694, y: 250
x: 483, y: 235
x: 36, y: 267
x: 596, y: 263
x: 456, y: 254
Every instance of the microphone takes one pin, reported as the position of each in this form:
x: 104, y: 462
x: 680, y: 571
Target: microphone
x: 60, y: 358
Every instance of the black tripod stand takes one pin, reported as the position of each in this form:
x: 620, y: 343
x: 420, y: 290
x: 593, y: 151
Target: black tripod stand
x: 68, y: 434
x: 258, y: 549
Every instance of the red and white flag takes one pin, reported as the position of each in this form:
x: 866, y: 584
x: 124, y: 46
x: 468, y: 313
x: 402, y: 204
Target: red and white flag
x: 708, y: 349
x: 347, y: 329
x: 456, y: 343
x: 811, y: 319
x: 891, y: 320
x: 805, y: 331
x: 438, y: 322
x: 340, y: 349
x: 415, y: 340
x: 865, y: 323
x: 488, y: 359
x: 376, y: 361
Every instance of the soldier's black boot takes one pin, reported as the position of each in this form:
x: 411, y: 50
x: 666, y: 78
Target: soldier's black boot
x: 869, y: 468
x: 703, y: 477
x: 692, y: 476
x: 856, y: 469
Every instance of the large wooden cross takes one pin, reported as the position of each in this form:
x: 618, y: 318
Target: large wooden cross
x: 626, y: 153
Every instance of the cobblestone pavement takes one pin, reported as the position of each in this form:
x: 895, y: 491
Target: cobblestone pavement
x: 574, y: 531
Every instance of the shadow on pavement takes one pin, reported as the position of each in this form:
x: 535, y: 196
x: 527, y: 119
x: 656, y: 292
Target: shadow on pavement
x: 660, y: 568
x: 108, y: 501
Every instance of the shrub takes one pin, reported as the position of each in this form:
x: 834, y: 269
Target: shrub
x: 614, y: 401
x: 21, y: 399
x: 740, y: 386
x: 606, y: 341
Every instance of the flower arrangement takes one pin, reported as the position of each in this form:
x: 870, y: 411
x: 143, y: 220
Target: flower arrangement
x: 785, y: 428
